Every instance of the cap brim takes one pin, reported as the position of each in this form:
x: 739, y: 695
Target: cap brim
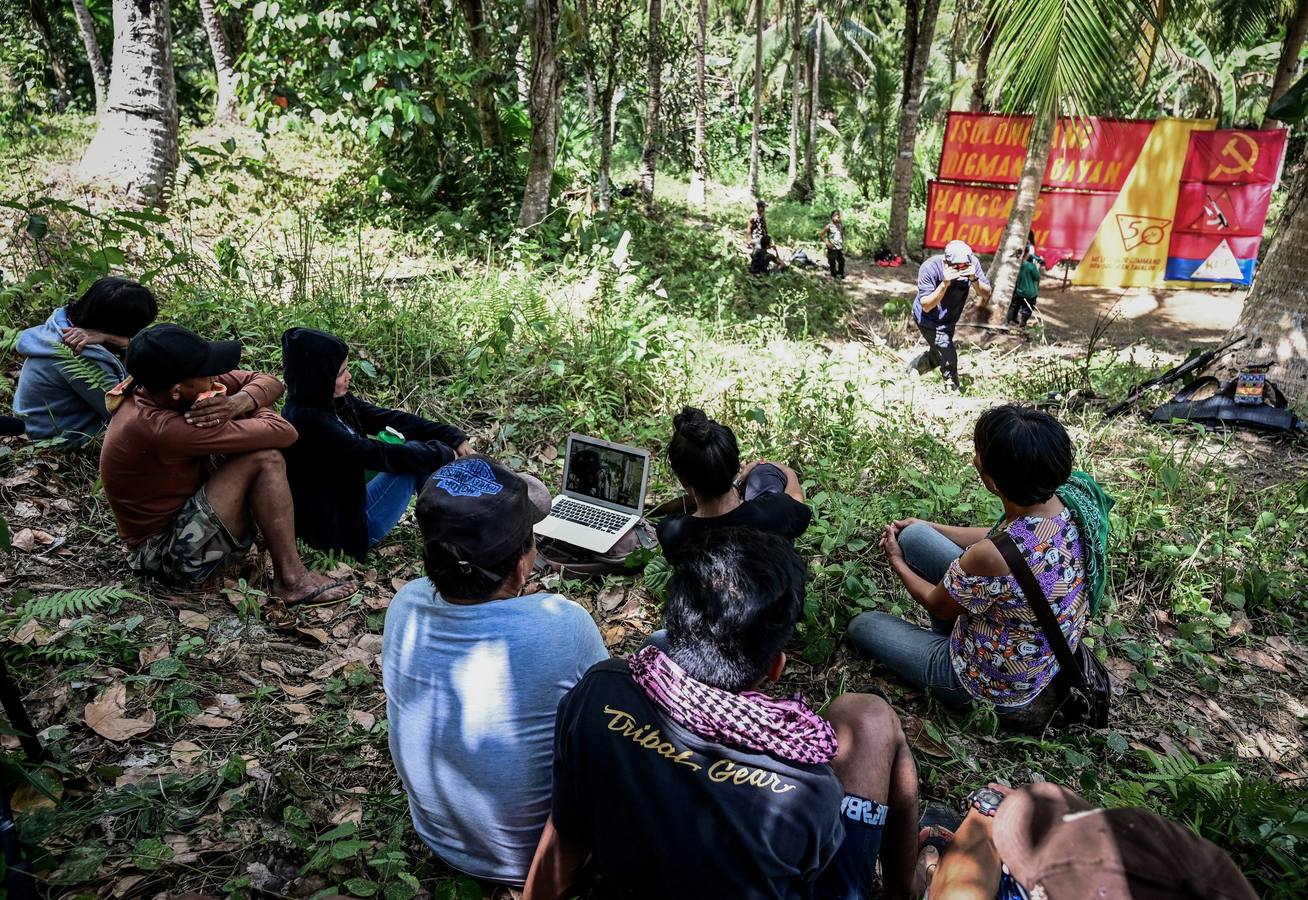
x: 539, y: 495
x: 223, y: 356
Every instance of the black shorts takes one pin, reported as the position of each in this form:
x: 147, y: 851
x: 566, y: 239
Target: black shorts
x: 852, y: 873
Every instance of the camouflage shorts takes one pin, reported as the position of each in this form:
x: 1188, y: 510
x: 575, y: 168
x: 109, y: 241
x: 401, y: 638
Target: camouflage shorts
x: 192, y: 548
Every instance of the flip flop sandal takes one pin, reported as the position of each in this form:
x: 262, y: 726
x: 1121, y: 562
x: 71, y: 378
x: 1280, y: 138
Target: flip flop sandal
x: 938, y: 826
x: 308, y: 598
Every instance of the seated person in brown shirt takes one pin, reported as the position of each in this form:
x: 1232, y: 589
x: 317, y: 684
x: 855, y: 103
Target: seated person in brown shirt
x: 182, y: 512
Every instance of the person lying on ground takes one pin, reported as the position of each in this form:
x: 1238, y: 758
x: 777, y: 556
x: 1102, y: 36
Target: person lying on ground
x: 678, y: 778
x: 339, y: 505
x: 943, y: 285
x: 52, y: 398
x: 182, y: 517
x: 706, y: 459
x: 833, y: 236
x: 984, y: 642
x: 474, y: 672
x: 1044, y: 841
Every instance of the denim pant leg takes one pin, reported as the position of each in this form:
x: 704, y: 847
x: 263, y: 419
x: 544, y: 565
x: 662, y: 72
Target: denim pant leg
x: 764, y: 478
x: 388, y: 497
x: 917, y: 655
x: 929, y: 553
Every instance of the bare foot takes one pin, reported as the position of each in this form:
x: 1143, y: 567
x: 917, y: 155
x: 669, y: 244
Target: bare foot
x: 315, y: 588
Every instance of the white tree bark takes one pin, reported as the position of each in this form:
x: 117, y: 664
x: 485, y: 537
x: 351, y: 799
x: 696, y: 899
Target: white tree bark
x: 649, y: 156
x: 796, y: 58
x: 99, y: 74
x: 758, y: 98
x: 135, y: 145
x: 815, y: 105
x: 901, y: 192
x: 224, y: 63
x: 699, y: 163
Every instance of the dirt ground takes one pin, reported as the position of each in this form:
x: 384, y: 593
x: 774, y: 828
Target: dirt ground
x: 1173, y: 321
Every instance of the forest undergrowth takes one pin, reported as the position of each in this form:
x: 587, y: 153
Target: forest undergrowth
x: 242, y: 748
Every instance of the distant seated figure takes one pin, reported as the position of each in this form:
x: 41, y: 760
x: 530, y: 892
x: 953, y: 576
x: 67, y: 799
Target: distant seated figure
x: 52, y: 397
x: 678, y: 777
x: 1043, y: 841
x: 706, y: 459
x: 474, y: 672
x: 191, y: 465
x: 338, y: 507
x: 984, y: 642
x: 764, y: 257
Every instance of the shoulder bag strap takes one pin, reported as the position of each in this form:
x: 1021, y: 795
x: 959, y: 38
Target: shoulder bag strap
x: 1039, y: 603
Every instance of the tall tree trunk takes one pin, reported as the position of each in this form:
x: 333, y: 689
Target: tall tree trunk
x: 758, y: 98
x: 1288, y: 67
x: 607, y: 112
x: 41, y: 18
x: 912, y: 19
x: 698, y: 161
x: 983, y: 51
x: 521, y: 66
x: 1275, y: 315
x: 1012, y: 246
x: 224, y: 63
x: 796, y: 59
x: 901, y: 193
x: 135, y: 144
x: 543, y: 108
x: 483, y: 82
x: 649, y: 156
x: 815, y: 102
x: 99, y: 74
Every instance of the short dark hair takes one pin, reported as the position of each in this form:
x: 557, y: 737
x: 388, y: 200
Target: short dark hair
x: 117, y: 306
x: 703, y: 453
x: 469, y: 580
x: 1027, y: 453
x: 834, y: 213
x: 733, y: 602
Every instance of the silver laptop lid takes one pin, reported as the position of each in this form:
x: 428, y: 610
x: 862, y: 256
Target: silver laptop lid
x: 610, y: 475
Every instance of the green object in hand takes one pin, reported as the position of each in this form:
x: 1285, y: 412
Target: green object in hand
x: 387, y: 435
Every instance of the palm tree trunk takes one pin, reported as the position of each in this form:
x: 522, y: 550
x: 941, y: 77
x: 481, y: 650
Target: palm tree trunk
x: 483, y: 85
x: 99, y: 74
x: 135, y: 144
x: 758, y: 98
x: 649, y: 156
x: 1012, y: 246
x: 901, y: 193
x: 1275, y: 315
x: 1289, y: 64
x: 979, y: 84
x: 543, y: 108
x: 814, y: 104
x: 41, y: 18
x: 699, y: 163
x: 223, y: 61
x: 796, y: 57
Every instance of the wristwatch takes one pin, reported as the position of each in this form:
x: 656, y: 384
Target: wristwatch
x: 985, y: 801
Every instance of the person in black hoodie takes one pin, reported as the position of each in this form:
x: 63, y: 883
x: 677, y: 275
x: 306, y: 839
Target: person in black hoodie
x: 337, y: 506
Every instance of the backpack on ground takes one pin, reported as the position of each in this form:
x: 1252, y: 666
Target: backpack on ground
x: 627, y: 557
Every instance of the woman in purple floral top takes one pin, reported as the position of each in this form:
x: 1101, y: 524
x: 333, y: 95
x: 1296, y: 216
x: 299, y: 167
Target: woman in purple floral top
x: 984, y: 642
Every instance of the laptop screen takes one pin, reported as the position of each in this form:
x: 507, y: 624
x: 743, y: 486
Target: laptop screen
x: 605, y: 473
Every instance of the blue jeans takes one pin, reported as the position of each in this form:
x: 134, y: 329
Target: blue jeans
x: 388, y: 497
x: 917, y: 655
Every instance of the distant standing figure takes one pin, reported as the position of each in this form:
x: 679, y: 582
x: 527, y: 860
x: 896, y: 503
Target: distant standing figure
x: 756, y: 229
x: 1027, y: 288
x: 943, y: 285
x: 833, y: 233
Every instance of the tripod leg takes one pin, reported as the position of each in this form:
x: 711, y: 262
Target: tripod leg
x: 12, y: 702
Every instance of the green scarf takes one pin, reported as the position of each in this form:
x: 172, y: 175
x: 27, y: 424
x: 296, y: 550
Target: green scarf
x: 1089, y: 505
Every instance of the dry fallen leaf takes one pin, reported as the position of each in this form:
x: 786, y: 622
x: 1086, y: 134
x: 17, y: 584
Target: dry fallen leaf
x: 225, y: 710
x: 300, y: 712
x: 318, y: 634
x: 123, y: 886
x: 351, y: 811
x: 398, y: 583
x: 272, y: 667
x: 915, y: 729
x: 107, y: 715
x: 26, y: 798
x: 192, y: 619
x: 186, y: 755
x: 610, y: 599
x: 153, y: 653
x: 1260, y: 658
x: 26, y: 633
x: 378, y: 601
x: 363, y: 719
x: 299, y: 691
x: 27, y: 539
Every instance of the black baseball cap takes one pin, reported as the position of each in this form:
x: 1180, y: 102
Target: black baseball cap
x: 164, y: 355
x: 479, y: 510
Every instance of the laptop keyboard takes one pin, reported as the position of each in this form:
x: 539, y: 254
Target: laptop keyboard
x: 591, y: 516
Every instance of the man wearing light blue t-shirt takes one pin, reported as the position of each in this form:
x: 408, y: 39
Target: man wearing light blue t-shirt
x: 943, y: 285
x: 474, y: 673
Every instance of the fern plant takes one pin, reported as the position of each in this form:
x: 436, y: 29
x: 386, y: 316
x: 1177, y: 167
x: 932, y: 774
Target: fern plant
x: 79, y: 602
x: 81, y: 369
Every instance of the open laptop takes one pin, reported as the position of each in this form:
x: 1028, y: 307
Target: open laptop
x: 603, y: 494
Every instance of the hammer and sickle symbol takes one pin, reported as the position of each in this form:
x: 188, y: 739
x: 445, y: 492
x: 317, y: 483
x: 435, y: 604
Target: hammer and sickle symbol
x: 1241, y: 159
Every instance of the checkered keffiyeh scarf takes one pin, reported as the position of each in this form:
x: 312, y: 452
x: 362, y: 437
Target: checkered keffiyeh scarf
x: 787, y: 729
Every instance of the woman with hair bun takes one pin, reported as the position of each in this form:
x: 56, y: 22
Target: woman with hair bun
x: 764, y: 496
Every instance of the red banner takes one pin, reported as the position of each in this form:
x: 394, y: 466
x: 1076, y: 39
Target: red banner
x: 1230, y: 209
x: 1090, y: 153
x: 1235, y: 156
x: 1064, y: 223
